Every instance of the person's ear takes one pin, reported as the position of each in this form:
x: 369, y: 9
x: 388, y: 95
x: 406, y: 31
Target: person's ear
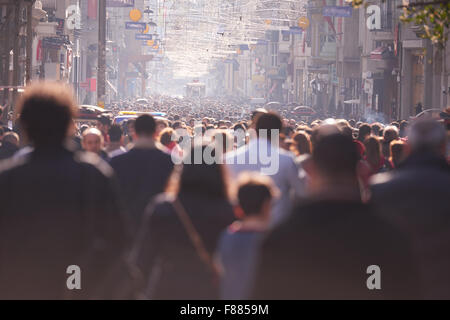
x: 238, y: 212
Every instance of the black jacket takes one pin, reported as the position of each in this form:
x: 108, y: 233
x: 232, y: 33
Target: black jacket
x: 323, y: 251
x: 142, y: 174
x: 58, y: 209
x: 166, y: 254
x: 416, y: 198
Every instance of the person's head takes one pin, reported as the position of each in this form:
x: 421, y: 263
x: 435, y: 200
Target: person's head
x: 46, y: 113
x: 256, y: 113
x: 390, y: 133
x: 292, y: 123
x: 376, y: 129
x: 198, y: 178
x: 268, y: 124
x: 104, y: 123
x: 364, y: 132
x: 160, y: 126
x: 83, y: 128
x: 427, y: 136
x: 334, y: 162
x: 131, y: 129
x: 115, y: 133
x: 373, y: 151
x: 398, y: 152
x: 347, y: 131
x: 255, y: 193
x: 145, y: 126
x: 92, y: 140
x: 11, y: 138
x: 302, y: 143
x: 176, y: 125
x: 165, y: 138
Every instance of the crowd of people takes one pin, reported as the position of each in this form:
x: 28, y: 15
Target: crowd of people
x: 288, y: 209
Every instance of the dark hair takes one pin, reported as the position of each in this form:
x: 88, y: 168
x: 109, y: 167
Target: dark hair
x: 145, y: 125
x: 1, y: 111
x: 252, y: 193
x: 364, y: 131
x: 336, y: 155
x: 176, y: 125
x: 115, y: 133
x: 257, y: 113
x: 268, y: 121
x: 104, y: 119
x: 288, y: 131
x: 166, y: 136
x: 239, y: 126
x: 46, y: 111
x: 11, y: 137
x: 347, y: 131
x: 376, y: 129
x: 390, y: 133
x: 207, y: 180
x: 302, y: 143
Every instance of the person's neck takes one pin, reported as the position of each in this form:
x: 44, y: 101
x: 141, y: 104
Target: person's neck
x: 255, y: 223
x: 343, y: 189
x: 144, y: 142
x: 115, y: 144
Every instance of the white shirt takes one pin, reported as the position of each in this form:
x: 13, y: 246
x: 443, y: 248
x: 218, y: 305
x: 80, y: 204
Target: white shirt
x: 260, y: 156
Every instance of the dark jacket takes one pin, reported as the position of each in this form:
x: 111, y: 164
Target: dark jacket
x: 7, y: 150
x: 142, y: 174
x: 167, y: 256
x: 57, y: 209
x: 416, y: 198
x: 323, y: 251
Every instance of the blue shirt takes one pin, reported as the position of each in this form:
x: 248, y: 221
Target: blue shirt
x: 238, y: 255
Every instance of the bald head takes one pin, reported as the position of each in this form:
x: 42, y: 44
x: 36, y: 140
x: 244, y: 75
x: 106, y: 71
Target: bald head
x: 92, y: 140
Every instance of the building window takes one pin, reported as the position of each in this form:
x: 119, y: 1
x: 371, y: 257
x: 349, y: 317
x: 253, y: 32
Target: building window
x: 386, y: 15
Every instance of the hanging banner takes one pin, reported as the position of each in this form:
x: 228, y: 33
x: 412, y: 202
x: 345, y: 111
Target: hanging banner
x: 140, y: 36
x: 135, y: 25
x: 119, y: 3
x: 292, y: 30
x: 336, y: 11
x: 92, y: 9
